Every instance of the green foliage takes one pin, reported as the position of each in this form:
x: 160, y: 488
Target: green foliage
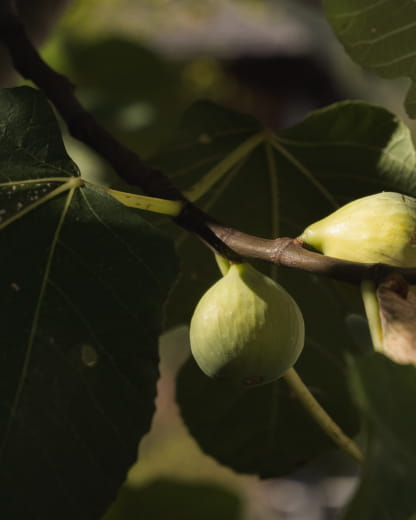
x: 83, y: 283
x: 312, y: 165
x: 288, y: 181
x: 385, y: 393
x: 379, y: 35
x: 31, y: 144
x: 336, y: 154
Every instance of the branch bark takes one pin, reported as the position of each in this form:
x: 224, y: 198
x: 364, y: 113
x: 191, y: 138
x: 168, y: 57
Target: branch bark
x: 84, y: 127
x: 225, y: 241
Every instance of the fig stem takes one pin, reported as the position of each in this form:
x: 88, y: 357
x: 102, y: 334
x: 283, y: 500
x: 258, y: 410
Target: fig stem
x: 223, y: 264
x: 369, y: 296
x: 321, y: 417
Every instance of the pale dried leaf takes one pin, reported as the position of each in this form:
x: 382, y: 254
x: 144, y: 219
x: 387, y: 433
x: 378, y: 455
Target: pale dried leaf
x: 398, y: 319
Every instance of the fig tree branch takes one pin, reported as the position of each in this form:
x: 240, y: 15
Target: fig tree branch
x: 84, y: 127
x: 224, y: 240
x: 81, y: 124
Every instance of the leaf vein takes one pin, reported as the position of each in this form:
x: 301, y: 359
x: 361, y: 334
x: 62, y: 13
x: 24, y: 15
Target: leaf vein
x: 34, y: 327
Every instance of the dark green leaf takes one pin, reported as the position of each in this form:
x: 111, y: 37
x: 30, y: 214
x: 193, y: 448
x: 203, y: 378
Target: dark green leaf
x: 31, y: 143
x: 379, y: 35
x: 385, y: 393
x: 336, y: 154
x: 82, y: 284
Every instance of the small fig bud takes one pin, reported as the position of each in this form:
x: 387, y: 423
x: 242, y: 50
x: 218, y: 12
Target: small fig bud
x: 246, y: 329
x: 379, y: 228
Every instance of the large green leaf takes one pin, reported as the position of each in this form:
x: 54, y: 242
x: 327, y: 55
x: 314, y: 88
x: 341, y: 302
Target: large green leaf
x: 385, y: 393
x: 83, y: 280
x: 288, y: 181
x: 336, y: 154
x: 379, y: 35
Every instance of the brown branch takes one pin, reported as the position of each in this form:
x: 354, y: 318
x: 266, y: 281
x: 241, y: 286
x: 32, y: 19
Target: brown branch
x: 129, y: 166
x: 83, y: 126
x: 289, y: 252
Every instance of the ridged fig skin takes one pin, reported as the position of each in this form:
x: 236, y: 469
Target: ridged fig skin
x: 380, y: 228
x: 246, y: 329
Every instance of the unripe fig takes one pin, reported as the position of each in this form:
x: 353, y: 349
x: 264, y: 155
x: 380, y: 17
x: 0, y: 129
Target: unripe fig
x: 246, y: 329
x: 379, y: 228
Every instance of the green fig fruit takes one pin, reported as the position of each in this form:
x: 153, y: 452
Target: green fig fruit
x: 379, y: 228
x: 246, y: 329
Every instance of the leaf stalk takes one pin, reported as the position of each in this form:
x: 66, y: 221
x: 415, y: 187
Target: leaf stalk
x: 321, y: 417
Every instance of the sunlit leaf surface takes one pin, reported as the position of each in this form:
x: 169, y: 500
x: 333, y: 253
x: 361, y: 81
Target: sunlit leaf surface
x: 380, y: 35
